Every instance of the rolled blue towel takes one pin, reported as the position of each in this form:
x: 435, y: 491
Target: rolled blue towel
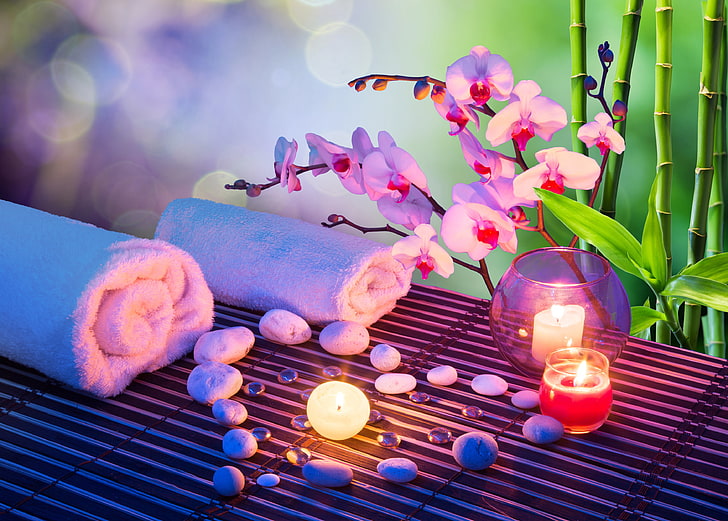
x: 94, y: 308
x: 264, y: 261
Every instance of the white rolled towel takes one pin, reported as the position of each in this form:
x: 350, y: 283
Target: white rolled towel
x: 264, y: 261
x: 94, y: 308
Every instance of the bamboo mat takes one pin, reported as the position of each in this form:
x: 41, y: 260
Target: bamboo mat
x: 150, y: 453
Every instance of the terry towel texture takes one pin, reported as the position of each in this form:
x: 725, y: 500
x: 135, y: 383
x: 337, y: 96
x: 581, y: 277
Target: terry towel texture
x: 91, y: 307
x: 263, y: 261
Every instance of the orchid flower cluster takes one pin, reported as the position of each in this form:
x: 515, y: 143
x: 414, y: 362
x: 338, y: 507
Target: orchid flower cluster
x: 484, y: 214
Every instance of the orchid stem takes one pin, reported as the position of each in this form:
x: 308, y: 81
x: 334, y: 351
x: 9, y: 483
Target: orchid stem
x: 486, y: 276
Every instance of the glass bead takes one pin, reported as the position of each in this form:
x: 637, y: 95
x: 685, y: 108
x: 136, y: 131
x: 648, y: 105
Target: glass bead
x: 419, y: 397
x: 300, y: 423
x: 305, y: 394
x: 287, y: 376
x: 253, y: 389
x: 439, y: 436
x: 298, y: 456
x: 332, y: 371
x: 389, y: 439
x: 471, y: 411
x: 374, y: 416
x: 260, y: 433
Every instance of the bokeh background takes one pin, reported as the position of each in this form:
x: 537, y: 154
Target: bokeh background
x: 111, y: 109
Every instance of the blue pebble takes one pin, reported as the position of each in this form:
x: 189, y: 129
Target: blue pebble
x: 397, y: 470
x: 475, y: 450
x: 543, y: 429
x: 325, y: 473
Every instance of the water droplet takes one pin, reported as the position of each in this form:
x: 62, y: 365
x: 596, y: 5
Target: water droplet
x: 287, y: 376
x: 305, y: 394
x: 439, y: 436
x: 300, y: 423
x: 419, y: 397
x: 374, y: 416
x: 332, y: 371
x: 254, y: 389
x: 298, y: 456
x: 260, y: 433
x: 471, y: 411
x: 389, y: 439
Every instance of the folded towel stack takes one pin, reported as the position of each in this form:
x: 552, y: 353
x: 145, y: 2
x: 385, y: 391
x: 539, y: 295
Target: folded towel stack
x: 263, y: 261
x: 94, y: 308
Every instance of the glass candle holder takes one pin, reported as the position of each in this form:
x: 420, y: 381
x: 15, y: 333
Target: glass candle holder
x: 551, y: 298
x: 576, y: 390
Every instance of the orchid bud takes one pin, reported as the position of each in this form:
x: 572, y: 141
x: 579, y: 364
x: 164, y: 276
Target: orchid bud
x: 360, y: 85
x: 422, y: 89
x: 379, y: 84
x: 608, y: 56
x: 335, y: 218
x: 619, y: 108
x: 253, y: 190
x: 590, y: 83
x: 438, y: 94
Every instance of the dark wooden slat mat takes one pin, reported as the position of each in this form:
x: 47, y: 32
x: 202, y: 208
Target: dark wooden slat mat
x: 149, y: 454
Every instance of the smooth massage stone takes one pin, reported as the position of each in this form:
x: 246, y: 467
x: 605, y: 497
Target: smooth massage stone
x: 442, y: 375
x: 525, y: 399
x: 385, y: 357
x: 395, y: 383
x: 541, y: 429
x: 268, y: 480
x: 229, y: 412
x: 239, y: 444
x: 475, y: 450
x: 397, y: 470
x: 224, y: 345
x: 344, y: 337
x: 228, y: 481
x: 284, y: 327
x: 211, y: 381
x: 489, y: 385
x: 325, y: 473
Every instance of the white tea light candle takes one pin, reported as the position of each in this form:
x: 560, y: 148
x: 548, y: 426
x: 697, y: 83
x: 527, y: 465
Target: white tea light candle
x: 557, y: 327
x: 337, y: 410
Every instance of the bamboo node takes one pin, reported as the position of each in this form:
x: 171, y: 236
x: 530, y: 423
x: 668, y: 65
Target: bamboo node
x: 664, y: 65
x: 578, y: 24
x: 664, y: 8
x: 658, y: 113
x: 705, y: 92
x: 695, y: 231
x: 578, y: 75
x: 709, y: 19
x: 664, y: 163
x: 621, y: 81
x: 699, y: 170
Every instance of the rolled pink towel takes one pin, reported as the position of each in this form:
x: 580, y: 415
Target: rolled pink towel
x: 94, y: 308
x: 264, y: 261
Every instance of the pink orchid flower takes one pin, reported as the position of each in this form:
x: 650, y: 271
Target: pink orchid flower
x: 284, y: 155
x: 479, y: 76
x: 477, y: 230
x: 488, y: 164
x: 456, y: 114
x: 421, y: 251
x: 344, y: 162
x: 497, y: 195
x: 390, y: 171
x: 527, y: 115
x: 601, y: 133
x: 414, y: 210
x: 558, y: 168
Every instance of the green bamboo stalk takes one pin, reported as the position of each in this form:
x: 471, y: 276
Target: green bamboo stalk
x: 715, y: 321
x: 663, y: 134
x: 625, y: 58
x: 713, y: 11
x: 577, y: 40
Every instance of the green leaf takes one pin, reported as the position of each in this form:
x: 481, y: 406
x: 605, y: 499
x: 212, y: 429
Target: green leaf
x: 611, y: 238
x: 643, y: 317
x: 706, y: 292
x: 714, y: 267
x: 654, y: 258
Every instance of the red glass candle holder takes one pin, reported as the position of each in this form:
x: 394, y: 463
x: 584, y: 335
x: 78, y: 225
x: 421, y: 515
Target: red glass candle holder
x: 576, y: 390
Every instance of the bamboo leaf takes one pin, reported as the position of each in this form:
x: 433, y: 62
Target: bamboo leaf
x: 611, y: 238
x: 706, y: 292
x: 715, y: 268
x: 643, y: 317
x: 654, y: 257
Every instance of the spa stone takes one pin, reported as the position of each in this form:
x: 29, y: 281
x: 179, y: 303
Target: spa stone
x: 239, y: 444
x: 489, y: 385
x: 211, y: 381
x: 397, y: 470
x: 229, y: 412
x: 282, y: 326
x: 475, y: 450
x: 525, y: 399
x: 542, y: 429
x: 395, y: 383
x: 385, y: 357
x: 325, y: 473
x: 344, y: 337
x: 226, y: 345
x: 228, y: 481
x: 268, y: 480
x: 442, y: 375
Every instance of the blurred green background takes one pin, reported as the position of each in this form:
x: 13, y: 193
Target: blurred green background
x: 111, y: 109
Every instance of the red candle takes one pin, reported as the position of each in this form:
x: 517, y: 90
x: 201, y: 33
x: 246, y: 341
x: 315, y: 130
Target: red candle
x: 575, y: 389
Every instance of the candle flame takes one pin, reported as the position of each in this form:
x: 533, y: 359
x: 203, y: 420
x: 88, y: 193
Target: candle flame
x: 339, y: 401
x: 581, y: 373
x: 557, y: 311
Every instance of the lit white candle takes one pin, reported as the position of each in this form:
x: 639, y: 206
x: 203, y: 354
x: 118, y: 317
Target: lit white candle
x: 337, y: 410
x: 556, y: 327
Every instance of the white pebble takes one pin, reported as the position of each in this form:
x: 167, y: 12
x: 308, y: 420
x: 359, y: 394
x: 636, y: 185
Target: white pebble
x: 475, y: 450
x: 226, y: 345
x: 211, y: 381
x: 525, y: 399
x: 397, y: 470
x: 229, y: 412
x: 395, y: 383
x: 344, y: 337
x: 442, y: 375
x: 385, y: 357
x: 239, y: 444
x: 542, y: 429
x: 282, y: 326
x: 268, y: 480
x: 489, y: 385
x: 228, y: 481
